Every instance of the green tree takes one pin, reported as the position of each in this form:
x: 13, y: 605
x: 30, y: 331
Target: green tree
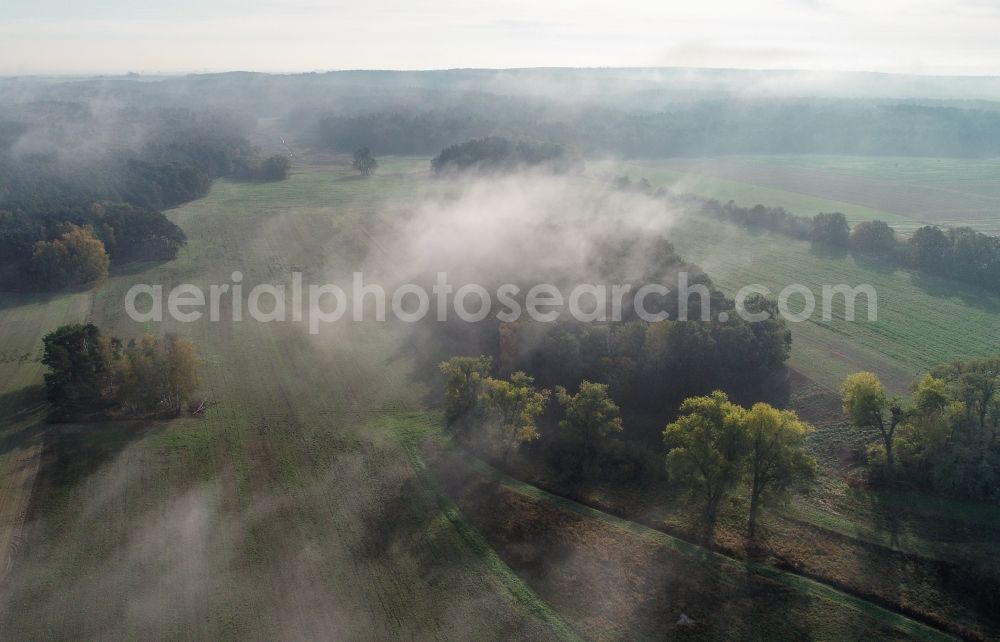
x: 777, y: 460
x: 977, y: 384
x: 464, y: 378
x: 707, y: 448
x: 512, y: 408
x: 831, y: 229
x: 930, y: 395
x: 364, y: 162
x: 873, y: 237
x: 929, y: 248
x: 591, y: 413
x: 77, y: 358
x: 867, y: 406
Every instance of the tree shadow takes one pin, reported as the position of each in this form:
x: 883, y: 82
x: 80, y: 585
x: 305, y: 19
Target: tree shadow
x: 875, y: 263
x: 826, y: 251
x: 22, y: 418
x: 71, y: 452
x: 10, y: 299
x: 970, y: 295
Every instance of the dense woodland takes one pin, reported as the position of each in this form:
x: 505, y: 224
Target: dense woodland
x: 694, y: 128
x: 65, y: 168
x: 645, y: 368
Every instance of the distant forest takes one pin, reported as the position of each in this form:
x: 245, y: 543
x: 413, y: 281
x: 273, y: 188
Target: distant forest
x: 700, y: 128
x: 87, y: 167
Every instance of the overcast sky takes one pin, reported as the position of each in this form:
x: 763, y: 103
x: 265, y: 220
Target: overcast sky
x: 102, y: 36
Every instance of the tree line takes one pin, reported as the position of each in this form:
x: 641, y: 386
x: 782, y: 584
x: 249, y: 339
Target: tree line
x: 92, y: 374
x: 959, y: 253
x: 498, y: 154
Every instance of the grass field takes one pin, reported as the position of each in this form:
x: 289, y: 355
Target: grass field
x: 904, y: 192
x: 291, y: 510
x: 298, y: 506
x: 646, y: 579
x: 24, y: 320
x: 921, y: 321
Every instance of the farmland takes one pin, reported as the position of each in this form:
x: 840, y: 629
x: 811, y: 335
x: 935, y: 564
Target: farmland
x: 904, y: 192
x: 299, y: 506
x: 921, y: 321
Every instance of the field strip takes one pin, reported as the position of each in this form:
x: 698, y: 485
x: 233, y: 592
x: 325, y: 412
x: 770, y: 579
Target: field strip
x: 911, y: 627
x: 506, y: 577
x: 905, y: 544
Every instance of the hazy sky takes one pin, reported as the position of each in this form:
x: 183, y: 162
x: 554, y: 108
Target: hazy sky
x: 916, y: 36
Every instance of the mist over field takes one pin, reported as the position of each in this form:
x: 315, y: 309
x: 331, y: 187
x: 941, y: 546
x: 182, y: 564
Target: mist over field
x: 525, y: 322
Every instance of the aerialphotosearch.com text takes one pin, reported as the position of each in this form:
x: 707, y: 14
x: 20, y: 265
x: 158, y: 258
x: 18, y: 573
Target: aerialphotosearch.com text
x: 319, y: 304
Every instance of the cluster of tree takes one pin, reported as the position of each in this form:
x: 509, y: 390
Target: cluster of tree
x: 960, y: 253
x: 502, y: 414
x: 495, y: 154
x: 266, y: 168
x: 90, y: 373
x: 715, y: 445
x: 944, y: 438
x: 118, y: 191
x: 363, y: 162
x: 649, y: 365
x: 503, y: 411
x: 712, y: 447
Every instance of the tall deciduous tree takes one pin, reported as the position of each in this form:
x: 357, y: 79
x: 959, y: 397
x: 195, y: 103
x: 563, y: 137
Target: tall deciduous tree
x: 707, y: 446
x: 182, y: 367
x: 463, y: 384
x: 777, y: 459
x: 512, y: 407
x: 591, y: 412
x: 867, y: 405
